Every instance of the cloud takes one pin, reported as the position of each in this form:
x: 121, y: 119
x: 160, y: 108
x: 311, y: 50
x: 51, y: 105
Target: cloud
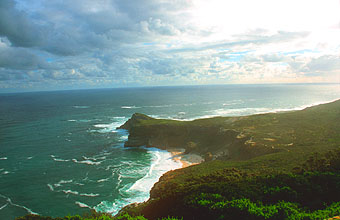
x: 246, y: 39
x: 123, y: 42
x: 17, y: 27
x: 324, y: 63
x: 20, y: 59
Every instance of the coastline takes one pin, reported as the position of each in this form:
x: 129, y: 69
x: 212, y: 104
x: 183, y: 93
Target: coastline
x: 186, y: 160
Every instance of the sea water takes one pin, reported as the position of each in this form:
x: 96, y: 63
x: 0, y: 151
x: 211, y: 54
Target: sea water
x: 60, y: 152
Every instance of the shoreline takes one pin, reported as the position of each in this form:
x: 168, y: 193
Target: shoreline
x: 186, y: 160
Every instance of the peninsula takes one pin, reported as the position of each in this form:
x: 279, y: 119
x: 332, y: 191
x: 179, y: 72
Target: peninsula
x: 283, y: 165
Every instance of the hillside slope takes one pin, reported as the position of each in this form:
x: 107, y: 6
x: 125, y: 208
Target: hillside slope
x: 281, y: 163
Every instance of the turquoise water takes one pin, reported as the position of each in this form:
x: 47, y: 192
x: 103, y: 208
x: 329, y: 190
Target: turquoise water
x: 60, y: 153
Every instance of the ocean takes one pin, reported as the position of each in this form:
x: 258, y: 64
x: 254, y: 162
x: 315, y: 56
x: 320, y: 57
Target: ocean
x: 60, y: 152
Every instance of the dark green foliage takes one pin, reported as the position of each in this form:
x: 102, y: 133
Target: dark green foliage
x: 215, y: 206
x: 230, y: 193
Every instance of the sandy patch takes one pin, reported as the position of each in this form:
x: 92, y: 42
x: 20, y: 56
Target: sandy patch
x: 186, y: 159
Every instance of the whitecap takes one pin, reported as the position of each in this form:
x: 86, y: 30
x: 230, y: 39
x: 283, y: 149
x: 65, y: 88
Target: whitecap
x: 50, y: 187
x: 62, y: 182
x: 129, y: 107
x: 17, y: 205
x: 102, y: 180
x: 58, y: 159
x: 79, y: 184
x: 3, y: 206
x: 70, y: 192
x: 89, y: 194
x: 65, y: 181
x: 82, y: 205
x: 72, y: 120
x: 5, y: 172
x: 111, y: 127
x: 81, y: 106
x: 28, y: 158
x: 89, y: 162
x: 3, y: 158
x: 89, y: 158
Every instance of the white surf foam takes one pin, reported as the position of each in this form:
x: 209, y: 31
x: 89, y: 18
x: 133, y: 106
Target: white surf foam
x: 58, y: 159
x: 50, y: 187
x: 17, y: 205
x: 102, y: 180
x: 140, y: 190
x: 70, y: 192
x: 89, y: 194
x: 62, y: 182
x: 89, y: 162
x: 82, y: 205
x: 110, y: 127
x: 161, y: 163
x: 4, y: 206
x: 81, y: 106
x: 239, y: 111
x: 130, y: 107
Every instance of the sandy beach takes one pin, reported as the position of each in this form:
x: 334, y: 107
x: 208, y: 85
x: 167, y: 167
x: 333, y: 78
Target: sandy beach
x: 186, y: 159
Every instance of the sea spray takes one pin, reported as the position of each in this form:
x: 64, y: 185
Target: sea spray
x: 139, y: 191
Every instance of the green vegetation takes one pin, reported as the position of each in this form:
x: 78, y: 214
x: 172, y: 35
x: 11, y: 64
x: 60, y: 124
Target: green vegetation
x: 314, y: 129
x: 310, y: 191
x: 269, y: 166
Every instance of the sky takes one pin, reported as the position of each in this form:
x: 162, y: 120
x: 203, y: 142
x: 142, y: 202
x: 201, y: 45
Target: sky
x: 79, y: 44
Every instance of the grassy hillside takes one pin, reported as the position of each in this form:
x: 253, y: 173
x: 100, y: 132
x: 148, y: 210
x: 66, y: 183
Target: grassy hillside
x: 279, y: 165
